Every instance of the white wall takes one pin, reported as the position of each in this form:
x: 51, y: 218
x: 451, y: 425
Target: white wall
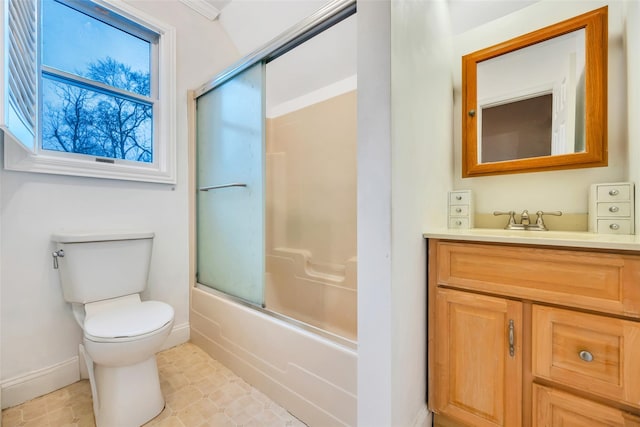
x: 632, y: 49
x: 421, y: 105
x: 38, y: 330
x: 557, y: 190
x: 374, y: 214
x: 404, y: 134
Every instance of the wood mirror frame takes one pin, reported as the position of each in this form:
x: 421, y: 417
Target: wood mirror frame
x: 595, y: 153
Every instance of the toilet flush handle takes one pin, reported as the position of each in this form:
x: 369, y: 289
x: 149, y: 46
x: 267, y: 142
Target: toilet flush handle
x: 55, y: 255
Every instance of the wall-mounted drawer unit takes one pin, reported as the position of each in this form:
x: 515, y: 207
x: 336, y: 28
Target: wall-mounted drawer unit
x: 460, y: 212
x: 611, y: 208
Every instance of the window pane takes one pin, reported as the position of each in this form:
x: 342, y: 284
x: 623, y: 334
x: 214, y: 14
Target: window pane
x: 79, y: 120
x: 79, y: 44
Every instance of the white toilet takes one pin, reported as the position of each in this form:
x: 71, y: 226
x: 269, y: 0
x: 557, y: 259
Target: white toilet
x: 101, y: 276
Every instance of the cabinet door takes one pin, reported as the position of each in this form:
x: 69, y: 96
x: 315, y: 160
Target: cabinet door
x: 478, y: 359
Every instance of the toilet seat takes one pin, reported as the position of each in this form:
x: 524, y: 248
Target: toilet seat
x: 128, y: 322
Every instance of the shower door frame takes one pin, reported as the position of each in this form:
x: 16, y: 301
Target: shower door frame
x: 316, y: 23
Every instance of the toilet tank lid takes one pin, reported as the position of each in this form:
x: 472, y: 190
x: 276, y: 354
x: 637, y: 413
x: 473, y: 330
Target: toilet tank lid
x: 94, y: 236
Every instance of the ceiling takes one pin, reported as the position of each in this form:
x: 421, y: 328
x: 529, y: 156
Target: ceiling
x: 219, y: 4
x: 468, y: 14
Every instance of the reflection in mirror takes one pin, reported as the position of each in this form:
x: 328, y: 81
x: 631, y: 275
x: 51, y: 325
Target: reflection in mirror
x: 516, y: 129
x: 533, y: 112
x: 526, y: 101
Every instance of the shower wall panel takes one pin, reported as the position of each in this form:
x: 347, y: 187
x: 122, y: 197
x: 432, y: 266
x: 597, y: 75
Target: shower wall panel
x: 311, y: 215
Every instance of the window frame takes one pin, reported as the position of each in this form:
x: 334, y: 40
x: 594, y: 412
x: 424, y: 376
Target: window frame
x: 19, y: 157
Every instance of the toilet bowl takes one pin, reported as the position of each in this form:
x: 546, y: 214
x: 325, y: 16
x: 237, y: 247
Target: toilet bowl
x: 102, y: 276
x: 121, y: 337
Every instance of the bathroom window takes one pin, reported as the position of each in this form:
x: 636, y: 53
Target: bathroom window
x: 90, y: 91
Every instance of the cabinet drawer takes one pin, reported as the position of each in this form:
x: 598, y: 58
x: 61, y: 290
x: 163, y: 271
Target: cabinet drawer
x: 622, y: 209
x: 601, y: 282
x: 459, y: 222
x: 458, y: 210
x: 614, y: 226
x: 459, y: 198
x: 555, y: 408
x: 611, y: 193
x: 592, y: 353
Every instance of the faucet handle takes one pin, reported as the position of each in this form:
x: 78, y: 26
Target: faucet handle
x: 512, y: 216
x: 540, y: 221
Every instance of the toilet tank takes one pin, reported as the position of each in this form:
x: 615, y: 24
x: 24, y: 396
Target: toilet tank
x: 99, y: 266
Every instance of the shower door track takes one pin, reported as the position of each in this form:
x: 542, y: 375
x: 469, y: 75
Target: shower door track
x: 336, y: 339
x: 316, y: 23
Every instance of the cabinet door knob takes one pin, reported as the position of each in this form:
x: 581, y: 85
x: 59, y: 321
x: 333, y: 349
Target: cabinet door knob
x: 586, y: 356
x: 614, y: 192
x: 614, y: 226
x: 614, y: 209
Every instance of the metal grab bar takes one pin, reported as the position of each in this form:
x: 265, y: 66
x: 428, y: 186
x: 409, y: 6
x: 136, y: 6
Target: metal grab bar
x: 215, y: 187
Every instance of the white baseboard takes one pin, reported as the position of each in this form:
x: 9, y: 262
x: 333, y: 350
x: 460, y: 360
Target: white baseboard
x: 20, y: 389
x: 423, y: 418
x: 37, y: 383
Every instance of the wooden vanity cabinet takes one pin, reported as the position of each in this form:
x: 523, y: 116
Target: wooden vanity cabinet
x: 533, y: 336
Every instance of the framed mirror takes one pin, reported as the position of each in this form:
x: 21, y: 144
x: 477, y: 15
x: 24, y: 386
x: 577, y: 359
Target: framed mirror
x: 537, y: 102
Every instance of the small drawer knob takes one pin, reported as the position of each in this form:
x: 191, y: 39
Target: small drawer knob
x: 458, y: 222
x: 614, y: 209
x: 614, y: 192
x: 614, y: 226
x: 586, y: 356
x: 458, y: 210
x: 458, y: 197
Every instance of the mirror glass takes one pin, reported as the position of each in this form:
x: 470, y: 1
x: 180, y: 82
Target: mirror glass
x: 534, y: 112
x: 526, y: 101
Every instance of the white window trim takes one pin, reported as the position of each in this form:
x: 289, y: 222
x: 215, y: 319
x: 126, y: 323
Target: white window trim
x: 18, y: 158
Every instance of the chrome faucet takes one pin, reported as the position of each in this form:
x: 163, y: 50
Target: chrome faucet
x: 525, y: 222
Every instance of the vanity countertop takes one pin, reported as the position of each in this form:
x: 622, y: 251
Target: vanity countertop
x: 578, y: 239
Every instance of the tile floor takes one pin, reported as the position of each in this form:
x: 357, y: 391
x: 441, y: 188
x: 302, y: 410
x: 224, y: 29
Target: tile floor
x: 199, y: 392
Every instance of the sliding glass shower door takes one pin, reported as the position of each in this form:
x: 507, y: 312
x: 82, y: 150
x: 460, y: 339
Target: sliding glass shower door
x: 230, y: 181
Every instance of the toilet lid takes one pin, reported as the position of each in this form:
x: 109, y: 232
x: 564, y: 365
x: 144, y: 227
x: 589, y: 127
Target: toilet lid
x: 129, y: 320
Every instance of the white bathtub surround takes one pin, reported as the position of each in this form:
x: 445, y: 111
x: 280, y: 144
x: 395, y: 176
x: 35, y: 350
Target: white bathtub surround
x: 313, y: 377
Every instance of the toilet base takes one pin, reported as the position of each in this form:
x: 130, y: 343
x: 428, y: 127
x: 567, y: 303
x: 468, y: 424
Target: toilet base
x: 127, y: 396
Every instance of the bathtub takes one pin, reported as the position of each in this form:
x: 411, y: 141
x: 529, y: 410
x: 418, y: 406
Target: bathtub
x: 310, y: 372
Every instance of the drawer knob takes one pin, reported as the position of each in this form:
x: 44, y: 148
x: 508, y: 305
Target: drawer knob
x: 458, y: 222
x: 458, y: 197
x: 458, y: 210
x: 614, y: 226
x: 614, y: 192
x: 614, y: 209
x: 586, y: 356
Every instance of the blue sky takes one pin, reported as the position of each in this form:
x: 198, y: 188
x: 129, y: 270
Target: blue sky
x: 72, y: 40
